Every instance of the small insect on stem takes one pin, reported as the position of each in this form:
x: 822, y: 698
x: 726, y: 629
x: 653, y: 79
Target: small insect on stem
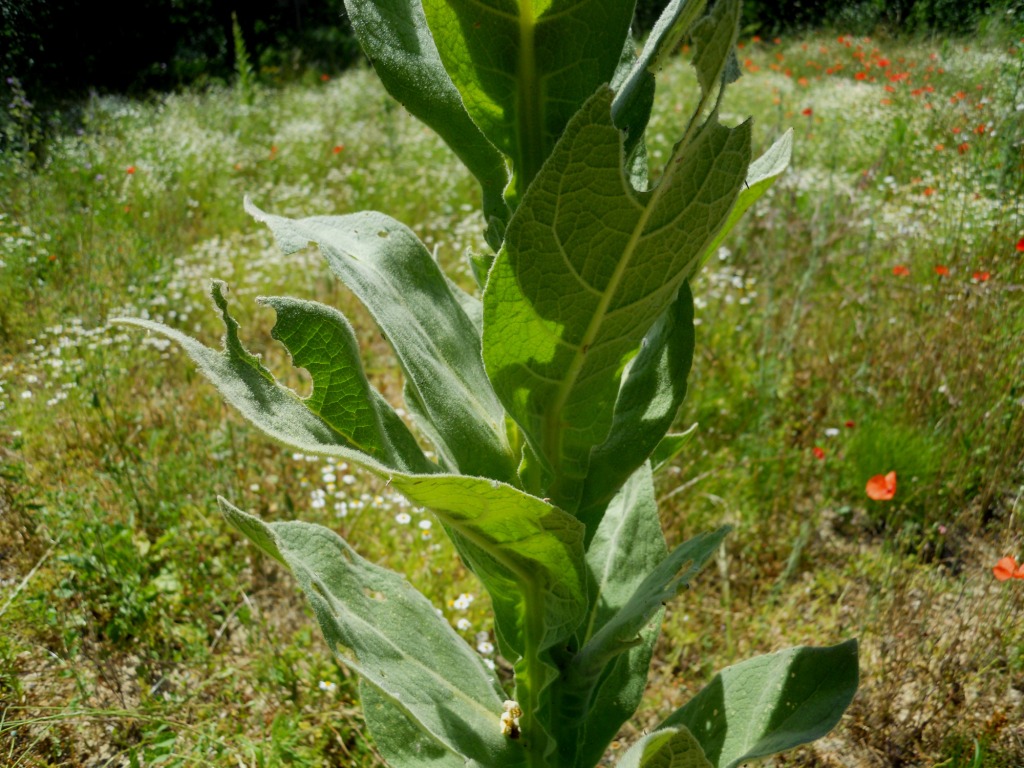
x: 510, y: 719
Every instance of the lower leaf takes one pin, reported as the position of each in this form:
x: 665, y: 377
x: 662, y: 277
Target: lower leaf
x: 771, y: 703
x: 425, y: 678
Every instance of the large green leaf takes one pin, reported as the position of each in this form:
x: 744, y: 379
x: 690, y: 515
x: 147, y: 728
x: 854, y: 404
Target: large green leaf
x: 524, y: 67
x: 247, y: 385
x: 437, y: 344
x: 527, y: 552
x: 627, y: 546
x: 771, y: 703
x: 429, y: 676
x: 394, y: 36
x: 652, y: 389
x: 587, y: 267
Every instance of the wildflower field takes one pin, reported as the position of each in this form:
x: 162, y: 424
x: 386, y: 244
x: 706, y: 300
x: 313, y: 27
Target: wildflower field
x: 858, y: 387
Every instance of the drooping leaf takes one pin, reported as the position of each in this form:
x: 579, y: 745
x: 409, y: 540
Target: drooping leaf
x: 527, y: 552
x: 652, y: 389
x: 394, y: 36
x: 760, y: 176
x: 524, y: 68
x: 587, y: 266
x: 430, y: 675
x: 667, y: 748
x: 321, y: 341
x: 661, y: 584
x: 394, y: 275
x: 771, y: 703
x: 627, y: 546
x: 247, y: 385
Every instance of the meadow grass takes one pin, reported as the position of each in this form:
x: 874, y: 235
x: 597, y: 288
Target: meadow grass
x: 865, y: 318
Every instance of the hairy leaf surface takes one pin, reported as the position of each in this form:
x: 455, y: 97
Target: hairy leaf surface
x: 627, y: 547
x: 659, y: 586
x: 437, y: 344
x: 394, y: 36
x: 760, y: 176
x: 652, y: 389
x: 430, y: 676
x: 526, y: 551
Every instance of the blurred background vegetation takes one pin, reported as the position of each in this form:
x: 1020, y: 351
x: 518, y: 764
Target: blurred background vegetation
x: 162, y: 45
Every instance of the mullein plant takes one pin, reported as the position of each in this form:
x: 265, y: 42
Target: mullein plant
x: 546, y: 396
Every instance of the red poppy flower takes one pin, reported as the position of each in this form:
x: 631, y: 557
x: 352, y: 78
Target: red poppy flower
x: 338, y: 149
x: 1020, y: 245
x: 807, y: 112
x: 962, y: 148
x: 881, y: 487
x: 941, y: 270
x: 130, y: 170
x: 1007, y: 568
x: 901, y: 270
x: 850, y: 424
x: 981, y: 277
x: 819, y: 452
x: 928, y: 191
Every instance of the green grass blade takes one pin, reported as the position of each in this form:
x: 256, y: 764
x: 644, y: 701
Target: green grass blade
x: 588, y: 266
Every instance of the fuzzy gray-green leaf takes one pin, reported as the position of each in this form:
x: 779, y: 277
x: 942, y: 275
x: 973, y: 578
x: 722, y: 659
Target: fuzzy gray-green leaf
x: 771, y: 703
x: 437, y: 344
x: 627, y: 546
x: 431, y: 675
x: 321, y: 341
x: 394, y: 36
x: 667, y: 748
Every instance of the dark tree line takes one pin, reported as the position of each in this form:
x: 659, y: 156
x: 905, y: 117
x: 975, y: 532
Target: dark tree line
x: 62, y: 48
